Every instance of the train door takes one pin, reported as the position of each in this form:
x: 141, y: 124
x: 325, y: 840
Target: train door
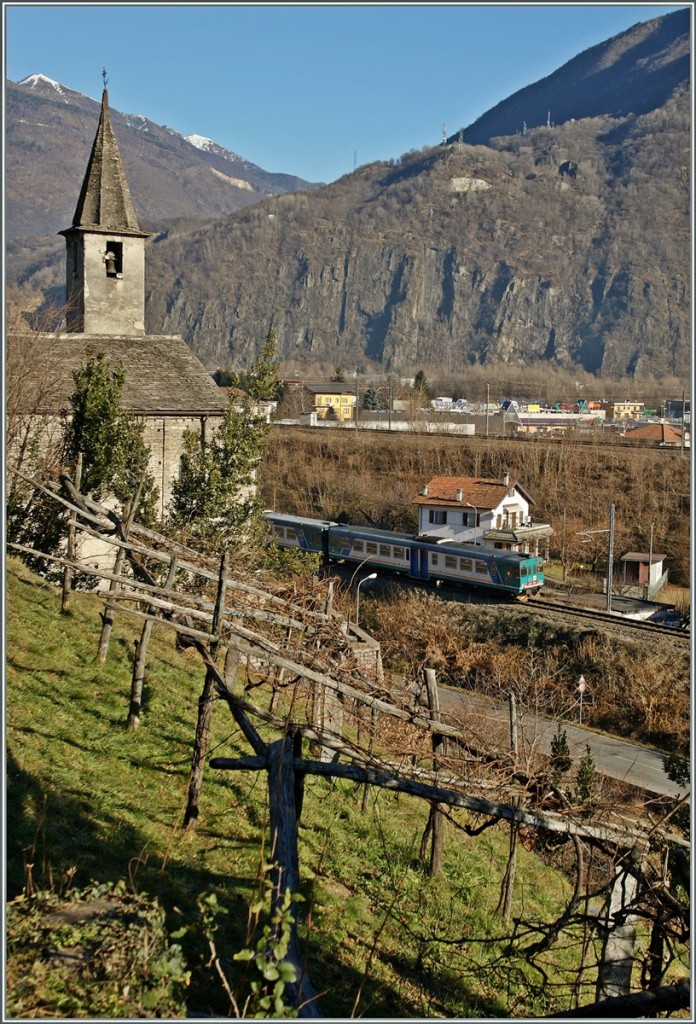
x: 419, y: 562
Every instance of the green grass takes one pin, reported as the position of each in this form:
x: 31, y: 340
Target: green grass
x: 90, y: 801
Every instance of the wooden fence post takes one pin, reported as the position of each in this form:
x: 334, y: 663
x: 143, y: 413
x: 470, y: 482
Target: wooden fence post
x: 71, y: 549
x: 136, y: 696
x: 286, y: 870
x: 205, y: 706
x: 435, y: 824
x: 614, y: 975
x: 108, y: 613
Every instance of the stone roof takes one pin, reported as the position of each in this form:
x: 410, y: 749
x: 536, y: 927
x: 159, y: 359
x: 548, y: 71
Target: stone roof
x: 105, y: 203
x: 162, y: 375
x: 477, y: 491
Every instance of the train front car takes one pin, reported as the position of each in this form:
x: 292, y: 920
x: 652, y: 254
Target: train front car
x: 298, y: 532
x: 483, y: 568
x: 521, y: 575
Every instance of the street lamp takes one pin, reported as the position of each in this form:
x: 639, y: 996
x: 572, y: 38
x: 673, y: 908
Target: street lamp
x: 372, y: 576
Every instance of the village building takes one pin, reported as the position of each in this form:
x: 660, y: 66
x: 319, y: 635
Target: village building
x: 662, y: 434
x: 165, y: 385
x: 624, y: 410
x: 474, y: 510
x: 324, y: 400
x: 642, y: 573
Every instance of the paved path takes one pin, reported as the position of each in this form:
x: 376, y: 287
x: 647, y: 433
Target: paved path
x: 615, y: 758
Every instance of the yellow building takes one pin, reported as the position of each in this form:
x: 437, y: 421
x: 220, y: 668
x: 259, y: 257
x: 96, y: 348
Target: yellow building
x: 332, y: 401
x: 624, y: 410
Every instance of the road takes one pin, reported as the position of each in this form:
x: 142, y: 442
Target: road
x: 615, y: 758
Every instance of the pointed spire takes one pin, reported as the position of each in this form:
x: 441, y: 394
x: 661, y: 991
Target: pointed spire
x: 105, y: 201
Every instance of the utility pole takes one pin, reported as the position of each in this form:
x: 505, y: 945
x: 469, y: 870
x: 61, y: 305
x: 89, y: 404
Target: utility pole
x: 610, y: 556
x: 357, y: 398
x: 488, y: 397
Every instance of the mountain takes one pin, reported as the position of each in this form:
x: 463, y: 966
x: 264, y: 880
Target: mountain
x: 49, y: 130
x: 566, y: 244
x: 632, y: 73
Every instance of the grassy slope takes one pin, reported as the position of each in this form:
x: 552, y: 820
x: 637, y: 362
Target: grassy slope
x: 85, y: 795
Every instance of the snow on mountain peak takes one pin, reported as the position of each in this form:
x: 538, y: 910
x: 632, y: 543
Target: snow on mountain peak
x: 33, y: 80
x: 200, y: 142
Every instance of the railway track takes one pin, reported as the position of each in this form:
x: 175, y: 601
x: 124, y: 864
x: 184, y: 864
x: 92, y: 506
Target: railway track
x: 611, y: 623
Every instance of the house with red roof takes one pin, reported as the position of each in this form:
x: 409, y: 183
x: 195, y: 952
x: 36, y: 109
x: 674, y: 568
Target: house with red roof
x: 480, y: 511
x: 662, y: 433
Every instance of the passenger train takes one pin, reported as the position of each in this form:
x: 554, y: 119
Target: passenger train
x: 419, y: 558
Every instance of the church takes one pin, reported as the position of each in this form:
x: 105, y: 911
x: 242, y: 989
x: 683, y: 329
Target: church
x: 165, y: 385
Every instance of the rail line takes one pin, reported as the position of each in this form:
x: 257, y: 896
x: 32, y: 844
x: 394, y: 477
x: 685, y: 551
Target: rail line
x: 611, y: 622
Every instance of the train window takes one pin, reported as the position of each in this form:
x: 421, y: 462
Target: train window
x: 465, y: 564
x: 399, y: 553
x: 385, y: 550
x: 523, y: 570
x: 315, y: 538
x: 278, y: 531
x: 371, y: 548
x: 450, y: 562
x: 437, y: 516
x: 481, y: 568
x: 433, y: 558
x: 358, y: 545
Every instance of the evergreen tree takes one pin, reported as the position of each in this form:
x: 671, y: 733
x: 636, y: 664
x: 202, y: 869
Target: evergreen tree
x: 587, y: 777
x: 214, y: 498
x: 370, y: 399
x: 262, y: 380
x: 421, y: 387
x: 115, y: 457
x: 561, y: 761
x: 339, y: 376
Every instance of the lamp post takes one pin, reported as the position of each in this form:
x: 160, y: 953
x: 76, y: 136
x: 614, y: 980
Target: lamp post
x: 372, y: 576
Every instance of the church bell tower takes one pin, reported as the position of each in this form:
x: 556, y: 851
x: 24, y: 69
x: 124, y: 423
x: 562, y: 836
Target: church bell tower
x: 105, y: 257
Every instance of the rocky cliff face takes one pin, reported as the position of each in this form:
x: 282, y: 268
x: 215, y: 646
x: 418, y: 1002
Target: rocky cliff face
x: 567, y: 243
x: 406, y: 264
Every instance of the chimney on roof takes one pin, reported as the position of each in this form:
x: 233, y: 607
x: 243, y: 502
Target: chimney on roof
x: 425, y: 491
x: 460, y: 494
x: 506, y: 479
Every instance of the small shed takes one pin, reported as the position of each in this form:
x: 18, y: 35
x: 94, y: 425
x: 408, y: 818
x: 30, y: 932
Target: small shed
x: 644, y: 571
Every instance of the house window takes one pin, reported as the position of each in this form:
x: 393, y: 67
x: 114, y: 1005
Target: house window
x: 113, y: 259
x: 437, y: 516
x: 471, y: 519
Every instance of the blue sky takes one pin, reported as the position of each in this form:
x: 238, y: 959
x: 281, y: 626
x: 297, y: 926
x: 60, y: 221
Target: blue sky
x: 308, y: 89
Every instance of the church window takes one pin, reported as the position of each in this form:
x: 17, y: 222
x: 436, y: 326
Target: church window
x: 113, y: 259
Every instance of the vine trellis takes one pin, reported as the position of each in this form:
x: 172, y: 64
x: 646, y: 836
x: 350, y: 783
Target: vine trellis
x: 322, y: 691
